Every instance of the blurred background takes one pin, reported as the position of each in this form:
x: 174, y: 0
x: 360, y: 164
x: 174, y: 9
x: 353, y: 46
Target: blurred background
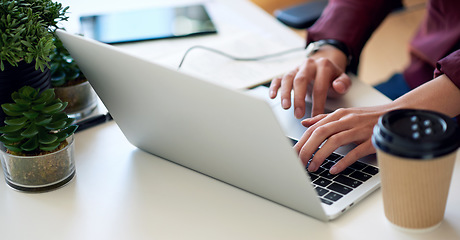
x: 387, y: 50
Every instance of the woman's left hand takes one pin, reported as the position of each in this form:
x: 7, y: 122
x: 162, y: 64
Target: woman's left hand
x: 355, y: 125
x: 342, y: 127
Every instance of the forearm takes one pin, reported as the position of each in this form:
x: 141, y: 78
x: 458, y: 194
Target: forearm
x: 439, y: 94
x: 352, y: 22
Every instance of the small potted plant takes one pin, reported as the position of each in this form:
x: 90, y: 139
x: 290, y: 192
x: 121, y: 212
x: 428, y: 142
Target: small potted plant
x: 37, y: 149
x: 70, y: 84
x: 26, y: 41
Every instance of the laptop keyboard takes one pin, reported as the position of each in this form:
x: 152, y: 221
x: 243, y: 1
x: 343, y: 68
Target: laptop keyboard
x: 331, y: 188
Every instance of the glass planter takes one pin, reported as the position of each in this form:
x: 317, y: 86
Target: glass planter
x: 81, y: 98
x: 39, y: 173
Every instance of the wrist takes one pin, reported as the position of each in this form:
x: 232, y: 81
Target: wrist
x: 328, y: 48
x: 333, y: 54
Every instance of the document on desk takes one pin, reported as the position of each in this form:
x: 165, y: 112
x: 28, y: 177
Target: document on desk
x: 234, y: 74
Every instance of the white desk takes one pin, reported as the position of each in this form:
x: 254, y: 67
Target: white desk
x: 121, y: 192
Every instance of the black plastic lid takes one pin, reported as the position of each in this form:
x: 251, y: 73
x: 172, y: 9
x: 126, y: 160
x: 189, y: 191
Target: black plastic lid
x: 418, y: 134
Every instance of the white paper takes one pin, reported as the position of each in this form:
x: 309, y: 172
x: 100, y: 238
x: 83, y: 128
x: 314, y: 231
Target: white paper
x: 239, y: 74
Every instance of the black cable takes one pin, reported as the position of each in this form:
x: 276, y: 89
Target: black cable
x: 258, y: 58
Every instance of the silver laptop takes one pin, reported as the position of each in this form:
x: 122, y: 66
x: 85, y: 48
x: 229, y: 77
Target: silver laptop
x: 226, y: 134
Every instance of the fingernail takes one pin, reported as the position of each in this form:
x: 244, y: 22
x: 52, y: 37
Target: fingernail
x: 305, y: 123
x: 312, y: 167
x: 285, y: 103
x: 340, y: 87
x: 272, y: 93
x: 333, y: 170
x: 298, y: 113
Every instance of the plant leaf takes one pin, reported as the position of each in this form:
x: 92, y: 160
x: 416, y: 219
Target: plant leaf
x: 50, y: 147
x: 53, y: 108
x: 5, y: 140
x: 46, y: 138
x: 59, y: 116
x: 45, y: 96
x: 69, y: 122
x: 56, y: 125
x: 16, y: 121
x: 12, y: 107
x: 12, y: 137
x: 71, y: 129
x: 10, y: 129
x: 62, y: 136
x: 13, y: 148
x: 31, y: 131
x: 28, y: 92
x: 43, y: 120
x: 30, y: 145
x: 31, y: 114
x: 22, y: 102
x: 64, y: 105
x: 38, y: 107
x: 27, y: 44
x: 12, y: 114
x: 15, y: 96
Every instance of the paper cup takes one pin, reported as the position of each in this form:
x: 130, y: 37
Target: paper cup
x: 416, y: 152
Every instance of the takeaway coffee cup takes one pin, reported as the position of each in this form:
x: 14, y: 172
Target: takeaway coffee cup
x: 416, y: 151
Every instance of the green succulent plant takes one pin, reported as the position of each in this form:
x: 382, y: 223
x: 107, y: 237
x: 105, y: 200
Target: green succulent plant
x: 35, y: 122
x: 64, y: 69
x: 27, y: 28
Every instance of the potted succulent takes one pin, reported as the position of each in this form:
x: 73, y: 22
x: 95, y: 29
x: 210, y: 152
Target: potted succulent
x: 37, y: 141
x: 70, y: 84
x: 26, y: 41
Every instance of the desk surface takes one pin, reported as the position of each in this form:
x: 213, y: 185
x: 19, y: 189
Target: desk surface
x: 120, y: 192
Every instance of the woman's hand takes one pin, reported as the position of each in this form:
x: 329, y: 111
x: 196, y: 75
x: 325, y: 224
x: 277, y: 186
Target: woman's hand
x: 342, y: 127
x: 321, y: 75
x: 355, y: 125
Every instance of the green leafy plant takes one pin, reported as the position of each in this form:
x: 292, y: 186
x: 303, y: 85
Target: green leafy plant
x: 27, y: 28
x: 64, y: 69
x: 35, y: 122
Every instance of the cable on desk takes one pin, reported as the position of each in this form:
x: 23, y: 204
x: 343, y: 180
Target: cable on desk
x: 258, y: 58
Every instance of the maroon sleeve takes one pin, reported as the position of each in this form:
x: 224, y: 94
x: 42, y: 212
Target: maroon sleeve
x: 351, y: 22
x: 450, y: 66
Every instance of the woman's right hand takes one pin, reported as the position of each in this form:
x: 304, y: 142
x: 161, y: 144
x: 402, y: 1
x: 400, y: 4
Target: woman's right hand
x: 320, y: 76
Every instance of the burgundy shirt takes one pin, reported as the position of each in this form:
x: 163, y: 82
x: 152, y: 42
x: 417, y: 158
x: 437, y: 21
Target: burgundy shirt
x: 434, y: 49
